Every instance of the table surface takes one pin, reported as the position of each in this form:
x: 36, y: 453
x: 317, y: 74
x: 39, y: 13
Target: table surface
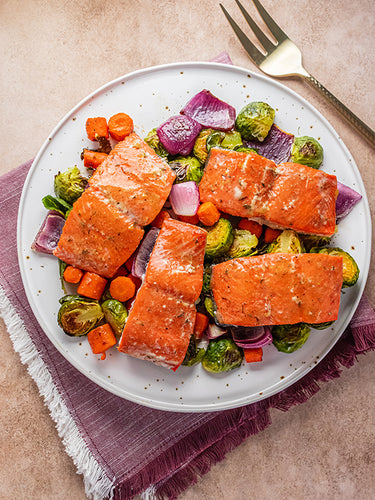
x: 54, y: 54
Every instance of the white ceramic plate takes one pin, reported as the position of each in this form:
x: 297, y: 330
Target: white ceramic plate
x: 150, y: 96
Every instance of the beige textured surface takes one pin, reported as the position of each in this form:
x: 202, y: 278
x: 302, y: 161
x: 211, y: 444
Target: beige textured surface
x: 53, y: 54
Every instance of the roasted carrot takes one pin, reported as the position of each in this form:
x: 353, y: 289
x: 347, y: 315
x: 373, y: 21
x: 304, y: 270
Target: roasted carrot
x: 72, y: 274
x: 208, y: 214
x: 271, y: 234
x: 160, y: 218
x: 120, y: 125
x: 190, y: 219
x: 122, y: 288
x: 201, y: 323
x: 101, y: 338
x: 92, y: 159
x: 253, y: 355
x: 92, y: 285
x: 252, y: 226
x: 96, y: 127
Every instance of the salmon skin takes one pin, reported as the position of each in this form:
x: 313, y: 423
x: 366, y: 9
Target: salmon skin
x: 277, y: 289
x: 285, y: 196
x: 162, y: 317
x: 126, y: 192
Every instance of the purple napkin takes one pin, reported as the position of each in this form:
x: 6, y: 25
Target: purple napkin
x: 121, y: 448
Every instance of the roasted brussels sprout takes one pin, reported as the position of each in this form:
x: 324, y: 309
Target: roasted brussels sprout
x: 69, y: 185
x: 287, y: 242
x: 187, y: 168
x: 209, y: 306
x: 194, y: 354
x: 307, y: 151
x: 153, y: 141
x: 289, y: 338
x: 255, y: 120
x: 78, y: 315
x: 244, y: 149
x: 226, y: 140
x: 115, y: 314
x: 350, y: 267
x: 320, y: 326
x: 219, y: 238
x: 311, y: 240
x: 200, y: 145
x: 222, y: 355
x: 244, y: 243
x: 206, y: 280
x: 57, y: 205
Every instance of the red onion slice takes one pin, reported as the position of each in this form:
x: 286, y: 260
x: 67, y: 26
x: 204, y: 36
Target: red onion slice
x: 346, y: 200
x: 142, y: 257
x: 210, y: 111
x: 185, y: 198
x: 213, y: 331
x: 251, y: 337
x: 49, y: 233
x: 276, y: 146
x: 178, y: 134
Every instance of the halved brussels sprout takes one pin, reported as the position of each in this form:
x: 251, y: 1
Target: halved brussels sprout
x: 222, y: 355
x: 69, y: 185
x: 244, y: 244
x: 200, y: 145
x: 153, y: 141
x: 187, y: 168
x: 311, y: 240
x: 244, y: 149
x: 194, y: 354
x: 287, y: 242
x: 320, y: 326
x: 78, y: 315
x: 307, y: 151
x: 210, y: 306
x: 219, y: 238
x: 255, y: 120
x: 115, y: 314
x: 289, y: 338
x: 226, y: 140
x: 350, y: 267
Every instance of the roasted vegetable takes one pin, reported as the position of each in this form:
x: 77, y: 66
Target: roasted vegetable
x: 78, y: 315
x: 289, y: 338
x: 206, y: 280
x: 307, y: 151
x: 115, y: 314
x: 244, y: 243
x: 69, y: 185
x: 209, y: 306
x: 222, y: 355
x: 194, y: 354
x: 219, y: 238
x: 226, y: 140
x: 320, y: 326
x: 200, y: 146
x: 57, y: 205
x: 152, y: 139
x: 311, y: 240
x: 287, y: 242
x: 350, y: 267
x: 187, y: 168
x: 255, y: 120
x: 245, y: 149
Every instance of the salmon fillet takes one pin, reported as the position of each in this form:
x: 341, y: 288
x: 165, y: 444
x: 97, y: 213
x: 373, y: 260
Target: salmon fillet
x: 286, y: 196
x: 162, y: 317
x: 277, y: 289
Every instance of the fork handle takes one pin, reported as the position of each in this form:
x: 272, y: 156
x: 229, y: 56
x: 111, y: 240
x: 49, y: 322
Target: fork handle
x: 364, y: 129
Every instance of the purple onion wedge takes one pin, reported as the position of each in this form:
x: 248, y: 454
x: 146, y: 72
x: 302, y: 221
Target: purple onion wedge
x: 214, y: 331
x: 142, y: 257
x: 251, y: 337
x: 178, y: 134
x: 49, y: 233
x: 276, y: 146
x: 346, y: 200
x: 185, y: 198
x: 210, y: 111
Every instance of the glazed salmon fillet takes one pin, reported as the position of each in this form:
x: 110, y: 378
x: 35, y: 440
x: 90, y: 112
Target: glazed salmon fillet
x: 286, y: 196
x: 277, y: 289
x: 162, y: 317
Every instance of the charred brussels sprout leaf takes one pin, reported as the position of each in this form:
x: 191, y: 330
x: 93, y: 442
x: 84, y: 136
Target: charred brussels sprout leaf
x: 350, y: 267
x: 287, y: 242
x: 255, y: 120
x: 187, y: 168
x: 222, y: 355
x: 210, y: 306
x: 307, y: 151
x: 200, y: 146
x: 244, y: 243
x: 219, y: 238
x: 115, y: 314
x: 69, y: 185
x: 153, y: 141
x: 194, y: 354
x: 57, y: 205
x: 78, y: 315
x: 289, y: 338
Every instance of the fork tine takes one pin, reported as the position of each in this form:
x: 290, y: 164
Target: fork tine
x: 250, y: 48
x: 274, y: 28
x: 267, y: 44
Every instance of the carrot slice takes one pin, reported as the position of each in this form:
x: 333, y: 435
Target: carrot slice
x: 253, y: 355
x: 101, y: 339
x: 252, y: 226
x: 201, y: 323
x: 122, y: 288
x: 92, y: 285
x: 271, y: 234
x: 160, y: 218
x: 72, y: 274
x: 208, y: 214
x: 96, y: 127
x: 120, y: 125
x: 92, y: 159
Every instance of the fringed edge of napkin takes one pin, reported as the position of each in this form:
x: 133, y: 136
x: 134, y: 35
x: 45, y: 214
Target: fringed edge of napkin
x: 97, y: 484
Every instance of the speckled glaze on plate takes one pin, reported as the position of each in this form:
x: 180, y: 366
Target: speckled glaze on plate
x: 150, y: 96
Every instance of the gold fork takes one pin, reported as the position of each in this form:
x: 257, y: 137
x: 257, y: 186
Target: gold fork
x: 284, y: 59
